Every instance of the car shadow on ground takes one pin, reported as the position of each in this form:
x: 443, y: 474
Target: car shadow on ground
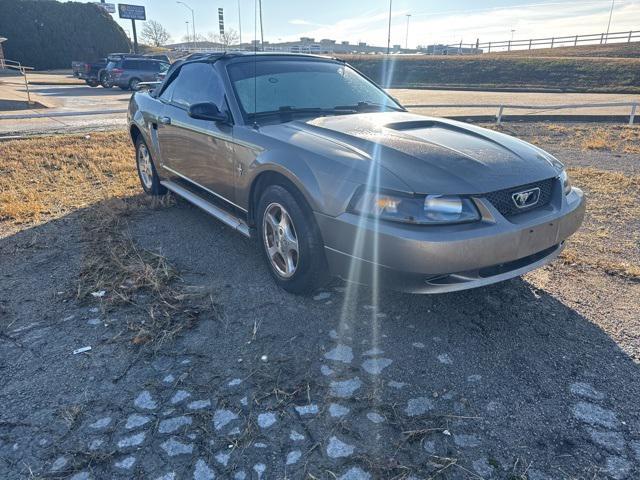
x: 496, y: 382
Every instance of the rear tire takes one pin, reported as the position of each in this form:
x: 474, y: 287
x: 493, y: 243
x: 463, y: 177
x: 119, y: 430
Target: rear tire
x: 147, y: 173
x: 293, y: 247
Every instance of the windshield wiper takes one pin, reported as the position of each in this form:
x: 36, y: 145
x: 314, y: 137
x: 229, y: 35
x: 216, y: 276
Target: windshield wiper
x: 287, y: 111
x: 369, y: 106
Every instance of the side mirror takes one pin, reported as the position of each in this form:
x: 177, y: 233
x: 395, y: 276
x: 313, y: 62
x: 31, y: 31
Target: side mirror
x: 207, y: 111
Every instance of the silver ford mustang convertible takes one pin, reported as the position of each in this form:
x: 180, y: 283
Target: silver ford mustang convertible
x: 334, y: 177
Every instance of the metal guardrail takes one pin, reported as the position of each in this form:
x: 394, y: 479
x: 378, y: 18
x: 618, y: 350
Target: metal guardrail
x: 533, y: 43
x: 15, y: 65
x: 502, y: 107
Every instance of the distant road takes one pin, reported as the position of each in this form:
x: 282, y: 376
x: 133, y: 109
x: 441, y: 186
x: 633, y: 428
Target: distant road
x: 78, y: 98
x: 457, y: 97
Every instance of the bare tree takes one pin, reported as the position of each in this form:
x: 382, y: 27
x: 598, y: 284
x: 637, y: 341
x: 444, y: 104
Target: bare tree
x: 229, y: 38
x: 154, y: 33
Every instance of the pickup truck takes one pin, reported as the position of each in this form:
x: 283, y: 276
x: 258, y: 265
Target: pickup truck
x: 91, y: 72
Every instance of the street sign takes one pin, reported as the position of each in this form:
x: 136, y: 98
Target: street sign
x: 221, y: 20
x: 133, y: 12
x: 107, y: 7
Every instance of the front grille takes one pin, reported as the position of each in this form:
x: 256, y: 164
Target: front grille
x: 503, y: 200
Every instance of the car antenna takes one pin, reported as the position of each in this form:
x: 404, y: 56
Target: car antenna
x: 255, y: 63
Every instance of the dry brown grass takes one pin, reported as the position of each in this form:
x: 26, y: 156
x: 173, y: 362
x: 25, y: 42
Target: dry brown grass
x: 48, y: 177
x: 610, y: 138
x: 42, y: 179
x: 609, y: 240
x: 114, y: 263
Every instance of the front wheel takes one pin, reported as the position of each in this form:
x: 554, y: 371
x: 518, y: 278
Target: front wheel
x: 291, y: 241
x: 133, y: 84
x: 104, y: 81
x: 146, y: 170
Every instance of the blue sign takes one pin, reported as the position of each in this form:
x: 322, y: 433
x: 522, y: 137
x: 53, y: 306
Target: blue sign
x: 132, y: 12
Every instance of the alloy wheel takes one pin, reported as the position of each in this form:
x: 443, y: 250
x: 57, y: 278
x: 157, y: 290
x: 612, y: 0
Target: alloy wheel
x: 280, y: 240
x: 144, y: 166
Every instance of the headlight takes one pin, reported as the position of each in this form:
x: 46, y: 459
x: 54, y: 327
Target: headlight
x: 432, y: 209
x: 566, y: 183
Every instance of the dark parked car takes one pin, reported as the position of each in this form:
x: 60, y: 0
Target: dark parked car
x: 90, y: 72
x: 333, y: 176
x: 128, y: 72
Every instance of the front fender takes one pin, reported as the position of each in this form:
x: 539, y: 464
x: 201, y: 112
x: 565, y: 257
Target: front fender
x: 325, y: 192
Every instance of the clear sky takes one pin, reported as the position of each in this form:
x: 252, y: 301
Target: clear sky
x: 432, y: 21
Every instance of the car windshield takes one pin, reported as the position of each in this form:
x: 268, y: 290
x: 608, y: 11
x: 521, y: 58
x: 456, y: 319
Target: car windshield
x: 306, y: 86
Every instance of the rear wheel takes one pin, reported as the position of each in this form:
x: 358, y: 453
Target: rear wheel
x: 146, y: 170
x: 291, y: 241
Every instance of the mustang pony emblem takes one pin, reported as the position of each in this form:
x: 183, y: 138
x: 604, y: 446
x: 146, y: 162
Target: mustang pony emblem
x: 526, y: 198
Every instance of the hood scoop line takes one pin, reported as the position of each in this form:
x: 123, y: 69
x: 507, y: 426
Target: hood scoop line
x: 414, y: 125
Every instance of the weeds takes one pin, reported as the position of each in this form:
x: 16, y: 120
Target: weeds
x: 112, y: 262
x: 94, y: 176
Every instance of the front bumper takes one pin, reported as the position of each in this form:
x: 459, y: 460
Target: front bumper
x: 436, y: 259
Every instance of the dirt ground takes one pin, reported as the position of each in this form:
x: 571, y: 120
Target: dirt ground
x: 201, y: 368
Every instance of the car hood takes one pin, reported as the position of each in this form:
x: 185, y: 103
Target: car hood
x: 434, y: 155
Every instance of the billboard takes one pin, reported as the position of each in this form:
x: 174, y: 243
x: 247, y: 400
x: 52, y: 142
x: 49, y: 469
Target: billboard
x: 132, y: 12
x: 107, y: 7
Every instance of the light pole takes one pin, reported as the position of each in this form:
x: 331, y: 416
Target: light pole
x: 239, y: 23
x: 613, y: 2
x: 512, y: 32
x: 193, y: 21
x: 188, y: 32
x: 406, y: 38
x: 389, y: 31
x: 261, y: 29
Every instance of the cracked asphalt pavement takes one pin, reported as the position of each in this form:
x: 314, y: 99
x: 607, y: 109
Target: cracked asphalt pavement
x: 509, y: 381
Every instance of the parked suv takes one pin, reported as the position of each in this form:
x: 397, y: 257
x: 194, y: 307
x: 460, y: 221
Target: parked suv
x: 128, y: 72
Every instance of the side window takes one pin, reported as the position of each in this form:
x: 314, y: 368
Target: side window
x: 196, y: 83
x: 167, y: 93
x: 130, y: 64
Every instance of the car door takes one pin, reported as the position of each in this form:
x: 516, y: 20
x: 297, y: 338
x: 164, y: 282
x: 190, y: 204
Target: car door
x: 200, y: 151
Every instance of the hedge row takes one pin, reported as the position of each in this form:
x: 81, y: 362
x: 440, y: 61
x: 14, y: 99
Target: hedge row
x: 47, y: 34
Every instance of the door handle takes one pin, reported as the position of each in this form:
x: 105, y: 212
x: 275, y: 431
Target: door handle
x: 165, y: 120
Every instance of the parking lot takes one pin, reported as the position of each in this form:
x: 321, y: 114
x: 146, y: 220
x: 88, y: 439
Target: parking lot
x: 535, y: 378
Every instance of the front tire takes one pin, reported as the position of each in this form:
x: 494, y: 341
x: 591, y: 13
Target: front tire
x: 104, y: 81
x: 133, y: 84
x: 291, y: 241
x: 147, y: 173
